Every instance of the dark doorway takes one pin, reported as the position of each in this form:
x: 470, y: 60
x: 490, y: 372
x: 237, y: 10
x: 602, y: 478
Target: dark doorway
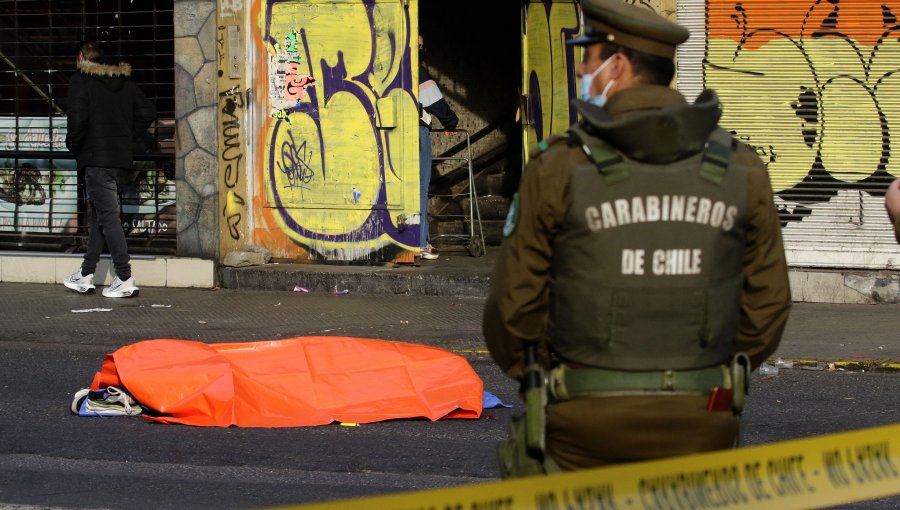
x: 474, y: 52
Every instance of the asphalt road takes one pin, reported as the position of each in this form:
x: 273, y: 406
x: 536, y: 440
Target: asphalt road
x: 50, y: 458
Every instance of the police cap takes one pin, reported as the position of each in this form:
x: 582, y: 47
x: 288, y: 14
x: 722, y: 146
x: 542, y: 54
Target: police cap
x: 629, y: 26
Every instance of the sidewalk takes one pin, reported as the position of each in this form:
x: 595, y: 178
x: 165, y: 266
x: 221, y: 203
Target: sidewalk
x: 854, y: 336
x: 455, y: 274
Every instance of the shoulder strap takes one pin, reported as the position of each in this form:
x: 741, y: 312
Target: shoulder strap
x: 545, y: 144
x: 609, y: 162
x: 716, y: 156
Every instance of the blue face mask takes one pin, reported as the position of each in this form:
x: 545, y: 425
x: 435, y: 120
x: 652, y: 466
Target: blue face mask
x: 588, y: 79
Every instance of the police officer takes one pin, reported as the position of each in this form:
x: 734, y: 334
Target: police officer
x: 643, y: 264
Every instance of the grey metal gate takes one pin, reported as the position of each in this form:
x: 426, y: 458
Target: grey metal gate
x: 41, y: 193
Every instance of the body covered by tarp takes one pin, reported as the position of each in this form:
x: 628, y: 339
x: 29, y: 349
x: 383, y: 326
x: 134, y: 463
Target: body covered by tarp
x: 294, y: 382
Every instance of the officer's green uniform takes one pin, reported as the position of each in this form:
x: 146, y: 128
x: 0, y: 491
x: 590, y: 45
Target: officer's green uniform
x: 643, y: 252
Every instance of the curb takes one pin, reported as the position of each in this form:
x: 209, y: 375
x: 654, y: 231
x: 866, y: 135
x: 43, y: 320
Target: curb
x: 859, y: 365
x: 382, y: 280
x: 150, y: 271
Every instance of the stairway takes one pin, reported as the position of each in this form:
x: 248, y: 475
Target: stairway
x: 497, y: 168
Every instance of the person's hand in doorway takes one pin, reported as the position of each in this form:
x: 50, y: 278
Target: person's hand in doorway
x: 892, y: 204
x: 432, y: 100
x: 892, y: 201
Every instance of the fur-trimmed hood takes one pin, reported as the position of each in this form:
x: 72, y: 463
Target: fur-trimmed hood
x: 106, y: 112
x: 112, y: 76
x: 92, y: 68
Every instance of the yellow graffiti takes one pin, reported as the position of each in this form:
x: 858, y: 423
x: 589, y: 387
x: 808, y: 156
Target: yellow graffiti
x: 546, y: 62
x: 806, y: 101
x: 281, y: 114
x: 401, y: 170
x: 328, y: 162
x: 234, y: 204
x: 312, y: 179
x: 545, y: 59
x: 783, y: 148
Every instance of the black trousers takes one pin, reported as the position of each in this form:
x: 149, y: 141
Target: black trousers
x: 104, y: 220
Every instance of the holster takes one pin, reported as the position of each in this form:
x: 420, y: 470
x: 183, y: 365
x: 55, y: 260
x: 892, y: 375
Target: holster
x: 740, y: 380
x: 535, y: 389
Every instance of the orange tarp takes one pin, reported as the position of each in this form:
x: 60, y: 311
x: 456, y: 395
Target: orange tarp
x: 294, y: 382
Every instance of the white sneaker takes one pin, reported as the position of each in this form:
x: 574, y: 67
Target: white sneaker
x: 80, y: 284
x: 430, y: 253
x: 121, y: 289
x: 110, y: 401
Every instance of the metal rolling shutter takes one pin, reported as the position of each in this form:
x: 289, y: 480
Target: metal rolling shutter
x: 809, y: 85
x: 41, y: 193
x: 689, y: 77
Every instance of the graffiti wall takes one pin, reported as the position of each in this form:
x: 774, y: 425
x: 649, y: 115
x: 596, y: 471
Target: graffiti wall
x: 811, y: 86
x: 37, y: 194
x: 338, y: 162
x: 232, y: 127
x: 548, y: 79
x: 548, y: 67
x: 40, y: 195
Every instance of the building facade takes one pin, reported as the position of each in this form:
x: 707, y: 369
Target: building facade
x: 296, y: 121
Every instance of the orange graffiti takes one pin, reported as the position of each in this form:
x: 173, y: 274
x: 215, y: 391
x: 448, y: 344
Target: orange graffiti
x: 865, y: 21
x: 295, y: 84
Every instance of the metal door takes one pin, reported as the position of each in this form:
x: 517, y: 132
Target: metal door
x: 41, y: 201
x: 340, y: 155
x: 812, y: 87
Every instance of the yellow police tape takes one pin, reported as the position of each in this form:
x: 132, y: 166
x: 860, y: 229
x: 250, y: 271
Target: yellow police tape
x: 805, y: 473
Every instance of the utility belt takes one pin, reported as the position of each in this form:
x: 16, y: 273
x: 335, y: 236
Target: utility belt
x: 726, y: 385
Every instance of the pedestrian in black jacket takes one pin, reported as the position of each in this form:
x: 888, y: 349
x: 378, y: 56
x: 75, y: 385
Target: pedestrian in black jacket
x: 107, y: 113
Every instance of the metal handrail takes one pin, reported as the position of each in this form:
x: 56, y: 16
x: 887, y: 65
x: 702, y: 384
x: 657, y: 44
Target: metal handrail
x: 474, y: 211
x: 481, y: 133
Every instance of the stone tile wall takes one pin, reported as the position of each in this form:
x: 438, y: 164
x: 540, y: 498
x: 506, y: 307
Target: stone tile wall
x: 195, y: 111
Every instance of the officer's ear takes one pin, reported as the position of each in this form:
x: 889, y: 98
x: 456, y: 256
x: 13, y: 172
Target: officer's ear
x: 620, y: 66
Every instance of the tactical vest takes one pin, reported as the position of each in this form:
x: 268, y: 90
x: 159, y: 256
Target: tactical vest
x: 647, y: 267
